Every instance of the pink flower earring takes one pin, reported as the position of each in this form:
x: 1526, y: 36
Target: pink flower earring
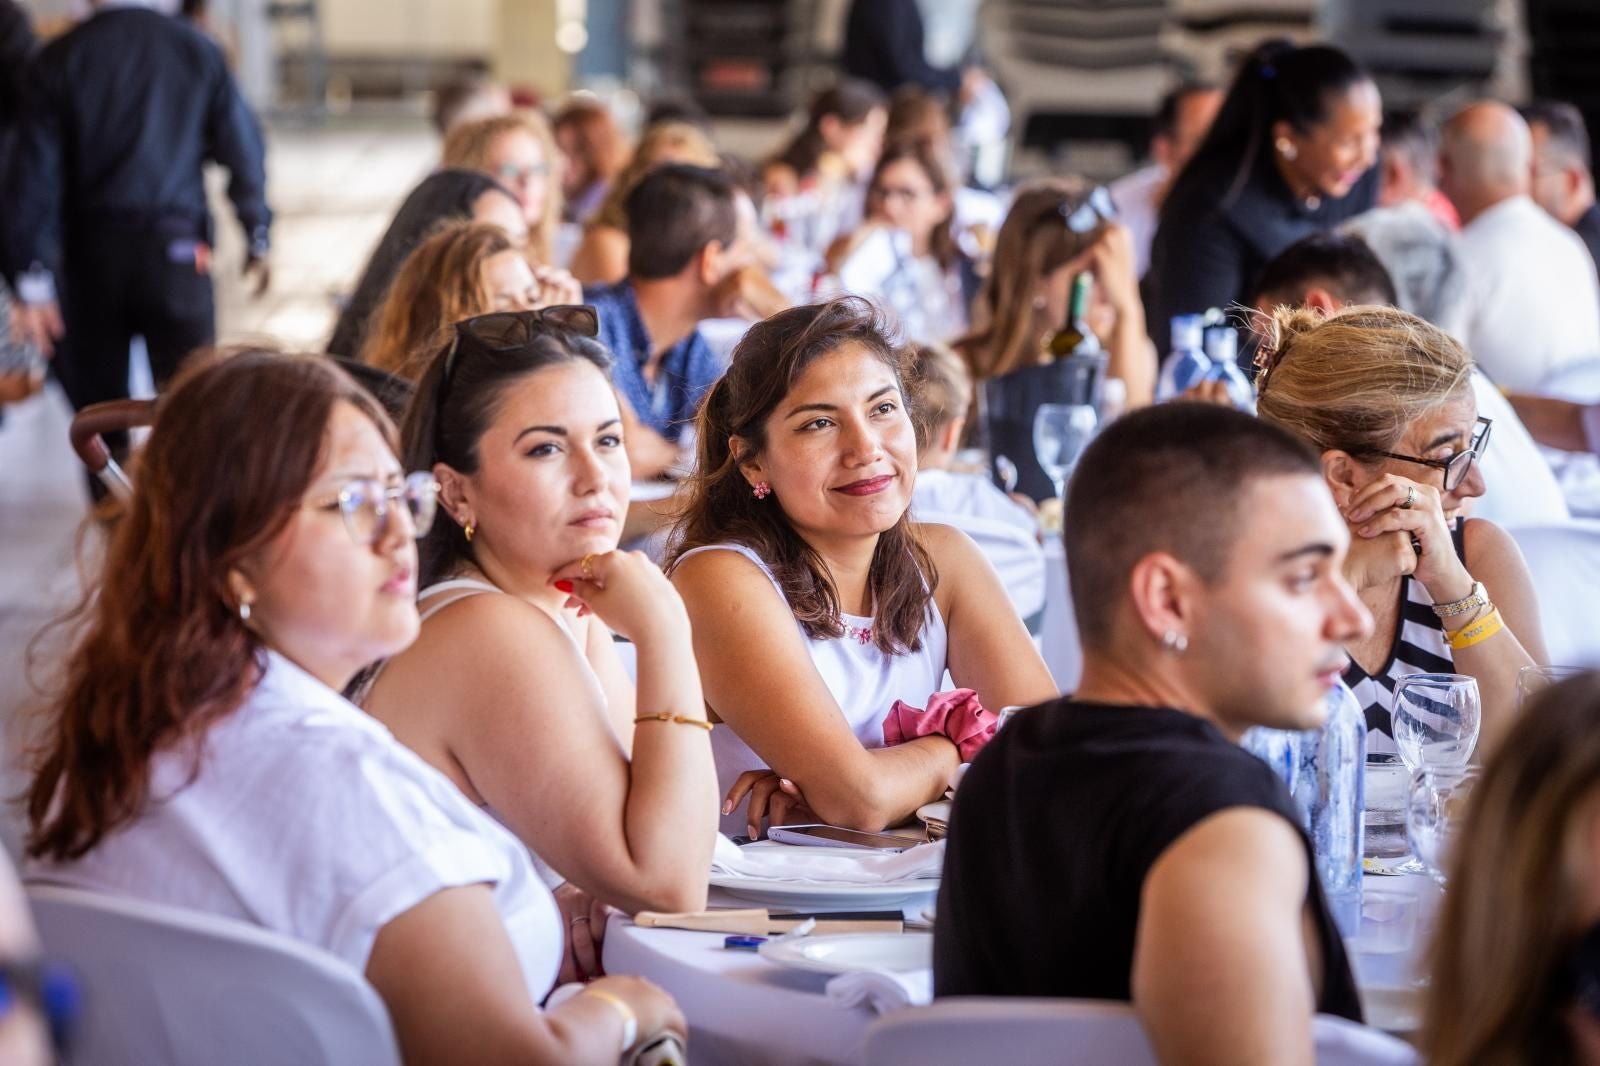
x: 762, y: 490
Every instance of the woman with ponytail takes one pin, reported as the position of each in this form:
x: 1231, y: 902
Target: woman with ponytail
x: 819, y: 607
x: 1291, y: 153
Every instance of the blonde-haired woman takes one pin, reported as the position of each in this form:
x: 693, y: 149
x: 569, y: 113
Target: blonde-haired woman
x: 602, y: 256
x: 519, y: 152
x: 1515, y: 959
x: 1051, y: 234
x: 464, y: 270
x: 1387, y: 399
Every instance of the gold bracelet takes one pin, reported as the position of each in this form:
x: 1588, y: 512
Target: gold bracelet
x: 630, y: 1020
x: 1477, y: 632
x: 668, y: 716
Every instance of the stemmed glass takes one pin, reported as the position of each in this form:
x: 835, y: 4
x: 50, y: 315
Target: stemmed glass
x: 1436, y: 721
x: 1061, y: 431
x: 1435, y: 805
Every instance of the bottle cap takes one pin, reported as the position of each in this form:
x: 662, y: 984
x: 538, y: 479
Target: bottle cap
x: 1187, y: 331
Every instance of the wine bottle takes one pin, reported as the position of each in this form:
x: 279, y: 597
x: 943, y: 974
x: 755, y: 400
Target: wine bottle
x: 1075, y: 337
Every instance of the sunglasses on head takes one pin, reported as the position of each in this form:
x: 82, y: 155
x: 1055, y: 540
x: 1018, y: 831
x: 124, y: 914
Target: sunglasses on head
x: 1090, y: 212
x: 506, y: 331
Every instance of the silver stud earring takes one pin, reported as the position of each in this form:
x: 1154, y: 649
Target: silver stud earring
x: 244, y: 611
x: 1174, y: 642
x: 1286, y: 148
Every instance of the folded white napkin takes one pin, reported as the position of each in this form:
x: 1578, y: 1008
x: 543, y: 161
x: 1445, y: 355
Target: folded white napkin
x: 768, y: 861
x: 882, y: 992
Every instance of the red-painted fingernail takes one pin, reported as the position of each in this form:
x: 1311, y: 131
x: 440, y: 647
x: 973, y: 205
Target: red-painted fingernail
x: 563, y: 585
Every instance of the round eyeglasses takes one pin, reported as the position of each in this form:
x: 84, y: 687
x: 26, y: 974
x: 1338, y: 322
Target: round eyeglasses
x: 366, y: 506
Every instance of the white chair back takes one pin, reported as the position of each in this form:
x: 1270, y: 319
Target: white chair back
x: 1578, y: 382
x: 1056, y: 1032
x: 184, y: 988
x: 1565, y: 562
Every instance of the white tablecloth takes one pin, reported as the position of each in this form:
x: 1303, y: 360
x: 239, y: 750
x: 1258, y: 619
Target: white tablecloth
x: 745, y: 1011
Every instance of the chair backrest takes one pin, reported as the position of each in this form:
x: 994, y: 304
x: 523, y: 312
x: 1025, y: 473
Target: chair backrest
x: 171, y: 986
x: 1565, y: 563
x: 1057, y: 1032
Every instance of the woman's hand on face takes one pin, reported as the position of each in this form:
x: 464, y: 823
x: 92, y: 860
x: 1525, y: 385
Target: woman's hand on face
x: 556, y: 287
x: 773, y: 799
x: 1113, y: 262
x: 585, y: 918
x: 628, y: 592
x: 1395, y: 508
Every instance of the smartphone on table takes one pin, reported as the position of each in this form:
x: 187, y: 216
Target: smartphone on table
x: 834, y: 836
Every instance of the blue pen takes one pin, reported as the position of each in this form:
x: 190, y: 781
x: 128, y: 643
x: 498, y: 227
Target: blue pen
x: 743, y: 943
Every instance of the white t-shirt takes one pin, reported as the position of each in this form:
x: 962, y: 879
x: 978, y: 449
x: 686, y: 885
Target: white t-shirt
x: 1006, y: 532
x: 1520, y: 489
x: 310, y: 819
x: 1535, y: 301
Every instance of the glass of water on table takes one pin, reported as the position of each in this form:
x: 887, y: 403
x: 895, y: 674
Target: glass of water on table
x: 1436, y: 721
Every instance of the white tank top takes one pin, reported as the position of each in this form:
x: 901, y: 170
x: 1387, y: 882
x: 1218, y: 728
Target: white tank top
x: 864, y: 680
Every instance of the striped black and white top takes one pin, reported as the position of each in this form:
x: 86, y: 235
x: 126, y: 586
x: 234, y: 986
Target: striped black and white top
x: 1418, y: 647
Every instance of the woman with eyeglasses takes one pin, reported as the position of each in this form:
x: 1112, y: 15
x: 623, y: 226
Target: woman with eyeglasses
x: 1514, y: 963
x: 519, y: 151
x: 1056, y: 229
x: 905, y: 256
x: 515, y: 689
x: 201, y: 756
x: 1387, y: 399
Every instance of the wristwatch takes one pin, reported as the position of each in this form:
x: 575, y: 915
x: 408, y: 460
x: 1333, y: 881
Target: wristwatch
x: 1478, y: 597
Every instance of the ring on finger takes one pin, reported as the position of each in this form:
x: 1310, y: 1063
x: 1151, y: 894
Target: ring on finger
x: 574, y: 923
x: 588, y: 567
x: 1411, y: 498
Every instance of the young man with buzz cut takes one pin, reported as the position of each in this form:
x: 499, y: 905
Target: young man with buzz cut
x: 1118, y: 844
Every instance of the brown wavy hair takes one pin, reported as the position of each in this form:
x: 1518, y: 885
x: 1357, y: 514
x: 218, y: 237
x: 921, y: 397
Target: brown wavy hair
x: 466, y: 147
x: 163, y: 654
x: 1500, y: 987
x: 1034, y: 242
x: 440, y: 284
x: 721, y: 510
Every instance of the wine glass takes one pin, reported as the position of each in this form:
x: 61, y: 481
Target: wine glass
x: 1435, y: 806
x: 1061, y: 431
x: 1531, y: 680
x: 1436, y: 720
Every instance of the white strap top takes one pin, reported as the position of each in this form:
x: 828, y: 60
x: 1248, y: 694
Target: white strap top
x: 864, y: 680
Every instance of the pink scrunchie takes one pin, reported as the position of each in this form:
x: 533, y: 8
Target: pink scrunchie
x: 956, y: 714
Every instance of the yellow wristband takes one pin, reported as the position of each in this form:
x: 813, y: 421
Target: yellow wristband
x: 1477, y: 632
x: 630, y: 1020
x: 668, y: 716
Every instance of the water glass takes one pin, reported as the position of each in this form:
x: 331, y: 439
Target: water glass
x: 1435, y: 807
x: 1385, y: 816
x: 1061, y: 431
x: 1531, y: 680
x: 1436, y: 720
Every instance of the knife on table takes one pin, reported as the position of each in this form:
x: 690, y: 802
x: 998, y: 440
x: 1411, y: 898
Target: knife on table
x: 758, y: 921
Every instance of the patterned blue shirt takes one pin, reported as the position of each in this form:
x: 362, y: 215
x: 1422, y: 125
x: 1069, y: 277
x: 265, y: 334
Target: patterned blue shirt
x: 686, y: 371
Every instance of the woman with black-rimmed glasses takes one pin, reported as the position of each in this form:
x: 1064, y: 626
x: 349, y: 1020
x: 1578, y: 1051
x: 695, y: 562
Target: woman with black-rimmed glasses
x: 514, y: 689
x: 1388, y: 400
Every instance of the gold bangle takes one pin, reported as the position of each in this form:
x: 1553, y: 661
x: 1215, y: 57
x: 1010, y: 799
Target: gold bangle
x: 1477, y: 632
x: 668, y: 716
x: 630, y: 1020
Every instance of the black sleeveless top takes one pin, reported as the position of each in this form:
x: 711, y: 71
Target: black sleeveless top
x: 1055, y: 827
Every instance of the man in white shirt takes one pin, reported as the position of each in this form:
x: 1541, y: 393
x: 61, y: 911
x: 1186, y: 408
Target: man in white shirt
x: 1180, y: 124
x: 1535, y: 298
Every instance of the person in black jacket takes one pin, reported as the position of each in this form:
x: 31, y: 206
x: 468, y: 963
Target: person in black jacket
x: 109, y: 234
x: 1291, y: 153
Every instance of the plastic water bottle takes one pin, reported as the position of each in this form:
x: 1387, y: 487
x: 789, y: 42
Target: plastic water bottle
x: 1187, y: 365
x: 1329, y: 786
x: 1279, y: 749
x: 1222, y: 349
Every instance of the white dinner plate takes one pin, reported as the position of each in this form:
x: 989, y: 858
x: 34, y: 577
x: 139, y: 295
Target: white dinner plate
x: 814, y: 897
x: 853, y: 952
